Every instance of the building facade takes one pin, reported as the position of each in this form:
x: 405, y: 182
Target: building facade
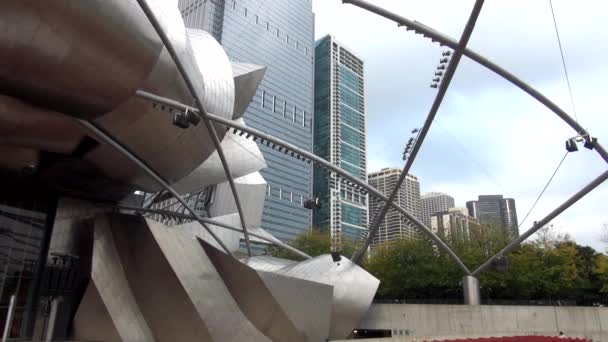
x: 339, y: 127
x: 278, y: 34
x: 454, y: 224
x: 434, y: 202
x: 496, y: 211
x: 395, y: 225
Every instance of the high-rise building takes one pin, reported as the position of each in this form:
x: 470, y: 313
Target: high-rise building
x: 339, y: 128
x: 278, y: 34
x: 496, y: 211
x: 453, y: 224
x: 434, y: 202
x: 395, y: 225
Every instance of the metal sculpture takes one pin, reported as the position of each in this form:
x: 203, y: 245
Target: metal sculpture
x: 119, y: 124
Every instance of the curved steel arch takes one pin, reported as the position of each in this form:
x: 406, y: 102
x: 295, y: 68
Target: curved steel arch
x: 107, y: 138
x: 450, y: 42
x: 443, y: 87
x: 446, y: 40
x: 313, y: 158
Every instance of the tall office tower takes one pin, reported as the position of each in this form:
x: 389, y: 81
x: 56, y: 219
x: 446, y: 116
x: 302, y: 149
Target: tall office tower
x: 339, y: 138
x: 495, y: 210
x: 278, y: 34
x: 434, y: 202
x: 395, y: 225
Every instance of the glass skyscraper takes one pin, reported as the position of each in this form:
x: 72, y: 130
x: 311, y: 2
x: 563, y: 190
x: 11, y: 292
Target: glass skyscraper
x: 278, y: 34
x: 497, y: 211
x: 339, y: 138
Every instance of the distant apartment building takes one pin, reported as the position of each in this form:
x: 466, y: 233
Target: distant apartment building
x: 434, y: 202
x: 339, y: 137
x: 496, y: 211
x: 395, y: 225
x: 454, y: 224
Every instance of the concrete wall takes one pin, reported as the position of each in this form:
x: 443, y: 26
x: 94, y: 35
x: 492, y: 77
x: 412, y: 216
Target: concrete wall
x: 410, y: 322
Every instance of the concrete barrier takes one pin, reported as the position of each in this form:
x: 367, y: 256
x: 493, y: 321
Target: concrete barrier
x: 417, y: 322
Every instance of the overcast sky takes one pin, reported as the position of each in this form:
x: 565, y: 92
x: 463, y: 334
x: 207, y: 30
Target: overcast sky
x: 488, y: 137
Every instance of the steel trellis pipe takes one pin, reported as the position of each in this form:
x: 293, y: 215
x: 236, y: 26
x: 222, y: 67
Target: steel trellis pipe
x: 204, y: 220
x: 448, y: 41
x: 181, y: 62
x: 314, y: 158
x: 141, y: 164
x: 443, y: 87
x: 567, y: 204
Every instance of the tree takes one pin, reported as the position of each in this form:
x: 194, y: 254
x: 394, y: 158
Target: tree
x: 604, y: 233
x: 313, y: 243
x: 549, y: 236
x: 413, y: 269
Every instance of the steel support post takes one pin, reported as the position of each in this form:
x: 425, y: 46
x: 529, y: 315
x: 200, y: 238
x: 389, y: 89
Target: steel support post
x: 50, y: 327
x: 470, y: 289
x: 9, y: 318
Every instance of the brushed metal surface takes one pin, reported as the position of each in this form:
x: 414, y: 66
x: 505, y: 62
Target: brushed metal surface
x: 155, y: 286
x: 252, y: 191
x: 87, y: 59
x: 108, y: 277
x: 26, y: 126
x: 266, y: 263
x: 247, y: 77
x: 253, y: 297
x: 354, y: 289
x: 244, y: 155
x: 149, y: 132
x: 92, y: 321
x: 306, y: 303
x: 204, y: 286
x: 77, y: 57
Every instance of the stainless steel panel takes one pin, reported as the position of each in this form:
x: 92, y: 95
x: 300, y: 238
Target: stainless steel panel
x: 204, y: 286
x: 247, y: 77
x: 157, y: 289
x: 251, y: 189
x: 354, y: 289
x: 92, y: 321
x: 243, y: 155
x: 77, y: 57
x: 253, y: 297
x: 107, y: 274
x: 306, y: 303
x: 266, y: 263
x: 24, y: 125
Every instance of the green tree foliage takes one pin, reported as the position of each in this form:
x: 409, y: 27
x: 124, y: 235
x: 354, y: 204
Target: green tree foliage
x: 545, y: 269
x: 313, y: 243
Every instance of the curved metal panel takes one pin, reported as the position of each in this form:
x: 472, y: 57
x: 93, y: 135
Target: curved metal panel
x: 171, y: 151
x: 306, y: 303
x: 253, y: 297
x: 244, y: 155
x: 247, y: 77
x: 107, y: 274
x: 204, y: 286
x: 354, y: 289
x: 27, y: 126
x: 77, y: 57
x: 251, y: 189
x: 267, y: 263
